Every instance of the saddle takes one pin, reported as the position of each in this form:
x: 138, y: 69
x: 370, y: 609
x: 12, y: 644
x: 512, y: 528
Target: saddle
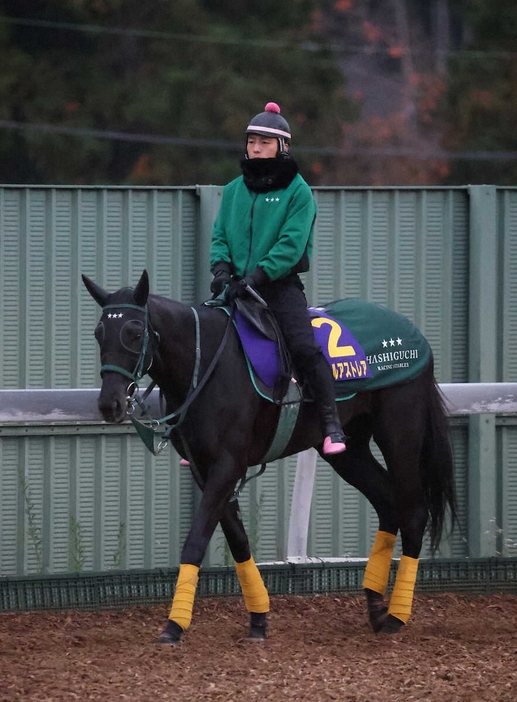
x: 392, y: 351
x: 264, y: 345
x: 265, y: 348
x: 367, y: 345
x: 269, y: 364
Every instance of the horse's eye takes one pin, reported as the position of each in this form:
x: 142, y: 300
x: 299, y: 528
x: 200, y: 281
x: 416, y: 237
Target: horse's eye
x: 99, y: 333
x: 131, y: 335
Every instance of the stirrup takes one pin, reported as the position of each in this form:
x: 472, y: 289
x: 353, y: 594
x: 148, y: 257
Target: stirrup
x: 334, y: 443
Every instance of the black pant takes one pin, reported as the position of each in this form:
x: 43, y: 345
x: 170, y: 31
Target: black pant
x: 288, y: 304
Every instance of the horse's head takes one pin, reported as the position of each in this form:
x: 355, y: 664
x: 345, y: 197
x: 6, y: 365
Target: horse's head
x: 126, y: 344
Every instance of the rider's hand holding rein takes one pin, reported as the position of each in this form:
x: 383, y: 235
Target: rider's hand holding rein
x: 239, y: 287
x: 222, y: 277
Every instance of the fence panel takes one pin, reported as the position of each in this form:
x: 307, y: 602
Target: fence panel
x: 93, y: 497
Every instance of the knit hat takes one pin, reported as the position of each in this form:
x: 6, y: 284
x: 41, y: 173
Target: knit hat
x: 271, y: 123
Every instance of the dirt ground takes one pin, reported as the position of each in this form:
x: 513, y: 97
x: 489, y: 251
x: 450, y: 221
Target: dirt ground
x: 319, y: 649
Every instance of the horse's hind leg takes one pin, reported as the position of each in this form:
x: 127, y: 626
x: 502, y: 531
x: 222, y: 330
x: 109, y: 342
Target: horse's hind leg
x: 401, y: 451
x: 413, y: 522
x: 254, y: 591
x: 361, y: 470
x: 376, y: 576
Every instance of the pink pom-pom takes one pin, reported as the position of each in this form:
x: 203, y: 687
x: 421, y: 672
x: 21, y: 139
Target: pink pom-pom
x: 272, y: 107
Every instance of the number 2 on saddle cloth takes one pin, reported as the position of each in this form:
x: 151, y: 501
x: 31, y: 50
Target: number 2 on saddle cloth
x: 343, y: 352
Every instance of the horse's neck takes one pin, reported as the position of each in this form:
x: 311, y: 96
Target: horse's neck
x: 174, y: 362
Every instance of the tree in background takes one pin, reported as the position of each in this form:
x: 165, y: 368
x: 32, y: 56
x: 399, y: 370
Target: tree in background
x: 193, y: 71
x: 437, y: 81
x: 377, y: 92
x: 481, y: 101
x: 394, y: 55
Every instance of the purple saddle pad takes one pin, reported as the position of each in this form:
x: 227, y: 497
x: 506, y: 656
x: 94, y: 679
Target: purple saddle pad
x: 341, y: 349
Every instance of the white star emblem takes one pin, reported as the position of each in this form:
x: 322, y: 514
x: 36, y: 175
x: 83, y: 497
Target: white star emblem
x: 384, y: 343
x: 115, y: 315
x: 399, y: 341
x: 392, y: 342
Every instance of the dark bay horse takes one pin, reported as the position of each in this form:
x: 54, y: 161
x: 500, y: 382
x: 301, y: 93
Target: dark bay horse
x: 222, y: 425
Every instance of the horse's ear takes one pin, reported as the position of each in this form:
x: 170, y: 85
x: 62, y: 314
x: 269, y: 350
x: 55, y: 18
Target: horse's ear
x: 142, y: 290
x: 99, y: 294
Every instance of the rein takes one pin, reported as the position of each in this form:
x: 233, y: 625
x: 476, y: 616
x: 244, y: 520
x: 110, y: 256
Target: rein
x: 147, y: 432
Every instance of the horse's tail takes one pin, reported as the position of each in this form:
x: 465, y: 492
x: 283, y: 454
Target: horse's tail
x: 437, y: 464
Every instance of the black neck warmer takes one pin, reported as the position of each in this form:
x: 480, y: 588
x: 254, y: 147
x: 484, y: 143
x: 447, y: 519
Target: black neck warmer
x: 264, y: 174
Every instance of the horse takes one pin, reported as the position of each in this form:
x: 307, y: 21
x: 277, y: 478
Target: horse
x: 218, y: 422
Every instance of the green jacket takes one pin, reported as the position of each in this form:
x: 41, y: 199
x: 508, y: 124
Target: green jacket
x: 273, y: 230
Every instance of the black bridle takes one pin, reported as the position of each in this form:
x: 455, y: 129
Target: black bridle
x: 139, y: 369
x: 174, y: 419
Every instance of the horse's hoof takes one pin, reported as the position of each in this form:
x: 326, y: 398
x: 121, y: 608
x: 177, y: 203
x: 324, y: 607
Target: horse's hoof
x: 256, y: 635
x: 171, y: 635
x: 378, y: 618
x: 377, y: 609
x: 258, y: 626
x: 166, y: 640
x: 255, y: 639
x: 391, y: 625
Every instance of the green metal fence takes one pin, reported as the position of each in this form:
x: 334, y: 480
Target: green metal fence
x: 88, y: 497
x: 122, y: 589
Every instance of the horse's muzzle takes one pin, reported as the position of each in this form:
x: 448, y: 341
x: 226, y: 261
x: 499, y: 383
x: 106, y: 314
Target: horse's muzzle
x: 113, y: 402
x: 114, y: 412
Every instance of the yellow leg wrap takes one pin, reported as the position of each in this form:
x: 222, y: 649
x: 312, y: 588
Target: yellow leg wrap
x: 183, y: 600
x: 377, y: 570
x: 404, y: 588
x: 256, y: 596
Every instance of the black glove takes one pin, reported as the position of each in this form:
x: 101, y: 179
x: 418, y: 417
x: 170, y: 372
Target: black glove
x: 222, y: 276
x: 238, y: 287
x: 257, y: 278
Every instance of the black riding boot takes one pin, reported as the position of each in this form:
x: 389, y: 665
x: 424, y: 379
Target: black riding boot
x: 321, y: 385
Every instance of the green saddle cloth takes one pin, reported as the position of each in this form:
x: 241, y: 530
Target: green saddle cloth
x: 396, y: 350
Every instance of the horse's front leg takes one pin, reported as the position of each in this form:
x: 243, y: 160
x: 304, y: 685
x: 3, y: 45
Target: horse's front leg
x: 216, y: 494
x: 256, y: 597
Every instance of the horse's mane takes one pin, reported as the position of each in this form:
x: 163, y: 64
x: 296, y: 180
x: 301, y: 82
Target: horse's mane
x: 161, y: 302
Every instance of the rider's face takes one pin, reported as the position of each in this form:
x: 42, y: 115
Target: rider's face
x: 258, y: 146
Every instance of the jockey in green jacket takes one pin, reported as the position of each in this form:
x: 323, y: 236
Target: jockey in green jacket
x: 253, y: 229
x: 262, y: 237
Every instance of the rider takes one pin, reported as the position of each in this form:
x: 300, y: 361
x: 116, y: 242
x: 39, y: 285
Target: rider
x: 262, y: 237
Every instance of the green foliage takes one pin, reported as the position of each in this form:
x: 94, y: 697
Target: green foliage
x: 481, y: 100
x: 33, y: 527
x: 495, y: 25
x: 188, y: 69
x: 119, y: 557
x: 195, y: 71
x: 77, y: 547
